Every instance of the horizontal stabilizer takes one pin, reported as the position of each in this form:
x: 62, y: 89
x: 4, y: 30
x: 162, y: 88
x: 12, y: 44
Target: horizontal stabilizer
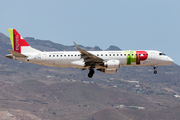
x: 16, y: 54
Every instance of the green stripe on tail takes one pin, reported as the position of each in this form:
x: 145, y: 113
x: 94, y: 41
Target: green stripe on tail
x: 11, y: 37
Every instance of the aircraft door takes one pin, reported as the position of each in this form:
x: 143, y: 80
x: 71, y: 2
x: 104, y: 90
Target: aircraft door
x: 152, y: 55
x: 152, y: 58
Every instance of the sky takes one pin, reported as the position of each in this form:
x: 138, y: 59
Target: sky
x: 128, y: 24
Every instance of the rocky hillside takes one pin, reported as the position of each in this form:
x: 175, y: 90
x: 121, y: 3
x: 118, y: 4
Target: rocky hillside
x: 29, y: 91
x: 112, y: 47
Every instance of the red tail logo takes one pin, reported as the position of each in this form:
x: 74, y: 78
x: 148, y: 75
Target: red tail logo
x: 18, y: 41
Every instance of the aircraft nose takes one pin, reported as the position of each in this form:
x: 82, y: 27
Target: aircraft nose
x: 171, y: 60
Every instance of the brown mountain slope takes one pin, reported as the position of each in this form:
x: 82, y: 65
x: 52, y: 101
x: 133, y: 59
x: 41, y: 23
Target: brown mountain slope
x: 67, y: 93
x: 109, y: 114
x: 171, y: 113
x: 68, y: 100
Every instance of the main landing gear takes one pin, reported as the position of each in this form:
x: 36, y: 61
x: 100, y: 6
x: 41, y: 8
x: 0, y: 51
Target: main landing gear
x: 155, y: 72
x: 91, y: 73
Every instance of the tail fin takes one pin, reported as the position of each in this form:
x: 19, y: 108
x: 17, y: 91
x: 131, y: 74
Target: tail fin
x: 19, y: 44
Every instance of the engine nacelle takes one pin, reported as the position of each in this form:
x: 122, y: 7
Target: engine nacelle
x: 78, y: 63
x: 112, y: 64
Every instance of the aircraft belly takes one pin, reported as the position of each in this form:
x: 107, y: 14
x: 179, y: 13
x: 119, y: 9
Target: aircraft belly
x: 60, y: 62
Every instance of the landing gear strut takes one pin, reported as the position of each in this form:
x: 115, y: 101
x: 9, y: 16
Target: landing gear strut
x: 91, y: 73
x: 155, y: 72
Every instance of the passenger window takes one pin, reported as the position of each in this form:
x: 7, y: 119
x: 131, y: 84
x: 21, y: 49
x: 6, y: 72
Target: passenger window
x: 68, y: 55
x: 97, y: 54
x: 106, y: 54
x: 101, y: 54
x: 113, y: 54
x: 121, y: 54
x: 57, y: 55
x: 132, y: 54
x: 75, y: 55
x: 53, y: 55
x: 49, y: 55
x: 64, y: 55
x: 109, y: 54
x: 61, y: 55
x: 117, y: 54
x: 124, y: 54
x: 78, y: 55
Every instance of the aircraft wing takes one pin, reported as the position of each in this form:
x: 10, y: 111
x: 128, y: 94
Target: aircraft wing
x: 88, y: 57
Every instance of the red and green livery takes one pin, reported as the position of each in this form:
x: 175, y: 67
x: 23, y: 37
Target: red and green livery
x: 136, y: 56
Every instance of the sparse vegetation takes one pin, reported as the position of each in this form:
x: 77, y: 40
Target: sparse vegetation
x: 53, y: 93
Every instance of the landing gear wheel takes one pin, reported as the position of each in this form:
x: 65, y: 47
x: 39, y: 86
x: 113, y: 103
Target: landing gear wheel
x: 91, y: 73
x: 155, y: 72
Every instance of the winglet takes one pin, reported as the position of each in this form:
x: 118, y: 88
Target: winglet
x: 77, y: 47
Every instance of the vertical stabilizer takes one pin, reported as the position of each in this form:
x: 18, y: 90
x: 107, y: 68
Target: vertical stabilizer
x: 18, y: 43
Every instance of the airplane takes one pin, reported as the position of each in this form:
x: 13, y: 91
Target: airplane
x: 104, y: 61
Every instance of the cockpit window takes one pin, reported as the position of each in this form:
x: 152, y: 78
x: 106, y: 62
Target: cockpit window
x: 162, y: 54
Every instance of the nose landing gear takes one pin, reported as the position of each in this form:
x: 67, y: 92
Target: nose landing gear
x: 91, y: 73
x: 155, y: 72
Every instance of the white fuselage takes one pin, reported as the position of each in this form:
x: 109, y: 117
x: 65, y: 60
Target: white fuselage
x: 73, y: 58
x: 104, y: 61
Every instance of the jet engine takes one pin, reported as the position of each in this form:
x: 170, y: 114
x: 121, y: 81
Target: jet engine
x: 78, y: 63
x: 112, y: 64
